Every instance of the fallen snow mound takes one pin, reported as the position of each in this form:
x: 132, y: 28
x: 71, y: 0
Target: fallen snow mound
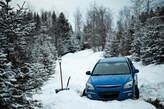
x: 75, y: 65
x: 151, y: 81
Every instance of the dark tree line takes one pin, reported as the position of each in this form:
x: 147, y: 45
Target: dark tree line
x: 15, y: 33
x: 29, y: 46
x: 30, y: 43
x: 59, y: 30
x: 139, y: 33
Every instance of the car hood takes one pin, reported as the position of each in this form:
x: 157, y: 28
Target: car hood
x: 109, y: 79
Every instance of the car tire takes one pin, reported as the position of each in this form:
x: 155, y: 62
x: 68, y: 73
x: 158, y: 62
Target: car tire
x: 137, y: 93
x: 83, y: 93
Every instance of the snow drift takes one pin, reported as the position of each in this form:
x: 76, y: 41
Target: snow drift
x: 75, y: 65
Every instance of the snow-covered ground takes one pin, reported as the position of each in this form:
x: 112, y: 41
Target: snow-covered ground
x: 151, y: 83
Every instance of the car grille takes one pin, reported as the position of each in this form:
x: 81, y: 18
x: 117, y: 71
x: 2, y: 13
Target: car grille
x: 108, y: 86
x: 108, y: 95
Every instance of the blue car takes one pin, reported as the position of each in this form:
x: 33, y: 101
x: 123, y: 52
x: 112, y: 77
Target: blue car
x: 112, y: 78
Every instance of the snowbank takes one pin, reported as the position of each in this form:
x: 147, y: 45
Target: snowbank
x: 151, y: 81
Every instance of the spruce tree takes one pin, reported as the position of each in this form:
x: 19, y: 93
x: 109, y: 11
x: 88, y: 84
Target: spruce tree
x: 63, y: 36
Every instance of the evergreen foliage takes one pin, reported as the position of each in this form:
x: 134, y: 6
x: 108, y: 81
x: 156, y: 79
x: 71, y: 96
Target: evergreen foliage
x: 139, y: 33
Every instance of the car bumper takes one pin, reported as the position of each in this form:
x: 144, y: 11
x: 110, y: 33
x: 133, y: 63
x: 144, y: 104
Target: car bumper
x: 109, y: 94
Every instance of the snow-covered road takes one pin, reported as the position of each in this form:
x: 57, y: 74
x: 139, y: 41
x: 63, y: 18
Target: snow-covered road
x: 75, y: 65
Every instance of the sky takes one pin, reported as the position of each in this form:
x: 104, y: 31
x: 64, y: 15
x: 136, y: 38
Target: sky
x: 69, y: 6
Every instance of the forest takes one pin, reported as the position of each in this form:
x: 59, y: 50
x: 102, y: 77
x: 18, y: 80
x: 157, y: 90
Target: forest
x: 31, y: 42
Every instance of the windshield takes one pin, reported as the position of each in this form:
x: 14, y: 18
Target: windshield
x: 111, y: 68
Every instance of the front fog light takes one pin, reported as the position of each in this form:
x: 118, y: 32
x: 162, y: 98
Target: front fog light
x: 89, y: 86
x: 128, y: 85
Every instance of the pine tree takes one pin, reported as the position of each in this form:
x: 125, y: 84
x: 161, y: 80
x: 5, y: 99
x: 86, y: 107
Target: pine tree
x: 53, y: 28
x: 53, y: 18
x: 63, y: 36
x: 152, y: 41
x: 112, y: 45
x: 16, y: 27
x: 37, y: 20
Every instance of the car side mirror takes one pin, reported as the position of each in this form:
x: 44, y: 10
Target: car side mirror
x: 136, y: 71
x: 88, y: 73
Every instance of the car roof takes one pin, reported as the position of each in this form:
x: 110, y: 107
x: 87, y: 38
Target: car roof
x: 113, y: 59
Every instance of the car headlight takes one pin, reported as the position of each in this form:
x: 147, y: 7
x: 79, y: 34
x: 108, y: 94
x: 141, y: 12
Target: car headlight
x: 89, y: 86
x: 128, y: 85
